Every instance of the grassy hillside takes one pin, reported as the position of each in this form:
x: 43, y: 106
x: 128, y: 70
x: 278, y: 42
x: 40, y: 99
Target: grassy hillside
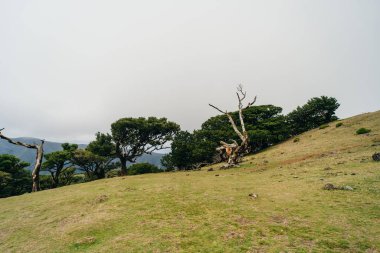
x: 211, y: 211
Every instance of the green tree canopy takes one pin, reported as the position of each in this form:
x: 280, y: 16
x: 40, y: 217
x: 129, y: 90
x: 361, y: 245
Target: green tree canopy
x: 14, y: 179
x: 88, y: 162
x: 190, y: 150
x: 103, y: 147
x: 265, y: 125
x: 142, y: 168
x: 317, y: 111
x: 135, y: 136
x: 56, y: 162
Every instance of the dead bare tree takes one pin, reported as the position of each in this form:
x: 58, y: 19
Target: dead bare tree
x: 235, y: 150
x: 39, y: 156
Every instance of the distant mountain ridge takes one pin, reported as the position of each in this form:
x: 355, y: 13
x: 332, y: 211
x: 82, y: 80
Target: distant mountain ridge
x: 29, y: 155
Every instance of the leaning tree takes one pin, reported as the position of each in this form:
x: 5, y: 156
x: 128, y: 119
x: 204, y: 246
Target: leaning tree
x: 234, y: 150
x: 134, y: 137
x: 39, y: 155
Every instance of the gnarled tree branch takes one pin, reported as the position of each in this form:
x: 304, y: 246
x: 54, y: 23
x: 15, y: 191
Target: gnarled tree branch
x: 234, y: 150
x: 39, y: 156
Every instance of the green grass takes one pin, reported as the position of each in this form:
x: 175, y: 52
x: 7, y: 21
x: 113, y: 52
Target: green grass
x: 200, y: 212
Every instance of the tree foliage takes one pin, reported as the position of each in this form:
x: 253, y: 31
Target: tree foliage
x: 97, y: 159
x: 142, y: 168
x: 104, y: 150
x: 317, y: 111
x: 135, y: 136
x: 14, y: 179
x: 265, y: 126
x: 88, y: 162
x: 102, y: 145
x: 68, y: 177
x: 58, y: 161
x: 190, y: 150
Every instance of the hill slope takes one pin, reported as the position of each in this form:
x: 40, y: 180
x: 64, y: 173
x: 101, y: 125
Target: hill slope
x: 211, y: 211
x: 29, y: 155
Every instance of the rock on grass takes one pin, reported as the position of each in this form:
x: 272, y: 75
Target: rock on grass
x: 330, y: 187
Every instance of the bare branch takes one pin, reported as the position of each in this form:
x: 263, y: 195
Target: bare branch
x: 235, y: 127
x: 240, y: 88
x: 235, y: 142
x: 240, y: 96
x: 17, y: 142
x: 229, y: 145
x: 240, y: 105
x: 217, y: 109
x: 242, y: 92
x: 241, y: 117
x: 251, y: 103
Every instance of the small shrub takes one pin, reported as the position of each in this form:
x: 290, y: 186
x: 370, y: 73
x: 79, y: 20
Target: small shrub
x: 323, y: 126
x: 296, y: 139
x: 339, y: 124
x: 142, y: 168
x: 113, y: 173
x: 363, y: 131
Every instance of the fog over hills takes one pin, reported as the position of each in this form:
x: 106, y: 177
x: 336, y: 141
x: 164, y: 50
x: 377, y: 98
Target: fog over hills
x: 28, y: 155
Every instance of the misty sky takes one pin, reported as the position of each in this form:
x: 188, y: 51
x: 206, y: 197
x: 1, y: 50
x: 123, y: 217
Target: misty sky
x: 70, y: 68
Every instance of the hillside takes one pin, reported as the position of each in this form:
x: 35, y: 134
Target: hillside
x: 29, y: 155
x: 210, y: 211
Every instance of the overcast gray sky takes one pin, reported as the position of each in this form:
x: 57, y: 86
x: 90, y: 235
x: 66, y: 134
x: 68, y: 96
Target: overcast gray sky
x: 70, y: 68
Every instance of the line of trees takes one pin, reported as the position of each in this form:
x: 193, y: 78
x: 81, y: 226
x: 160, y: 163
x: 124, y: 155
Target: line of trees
x: 108, y: 154
x: 130, y: 138
x: 265, y: 126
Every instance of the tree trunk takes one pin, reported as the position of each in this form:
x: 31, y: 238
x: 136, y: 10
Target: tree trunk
x: 100, y: 172
x: 238, y: 152
x: 123, y: 161
x: 54, y: 183
x: 37, y: 167
x: 233, y: 159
